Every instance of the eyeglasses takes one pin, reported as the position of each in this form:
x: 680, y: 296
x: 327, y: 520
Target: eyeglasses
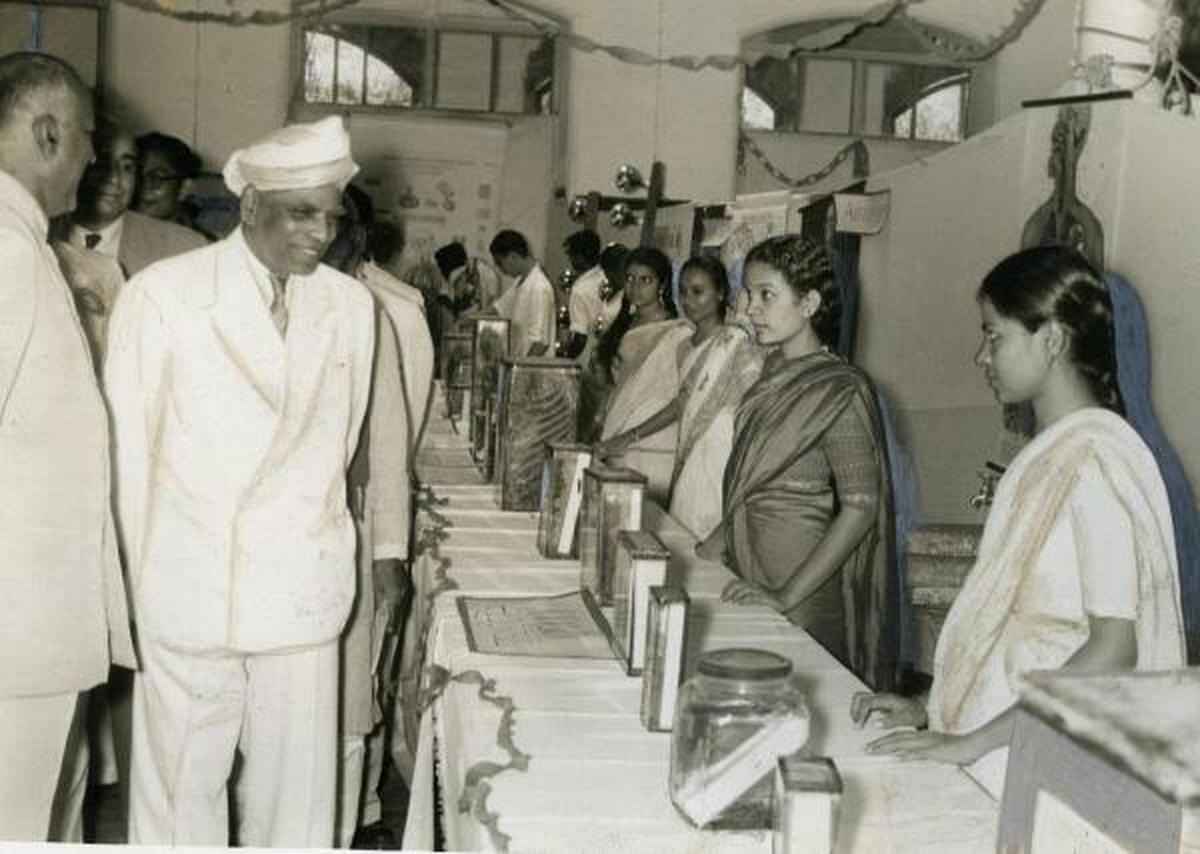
x: 156, y: 178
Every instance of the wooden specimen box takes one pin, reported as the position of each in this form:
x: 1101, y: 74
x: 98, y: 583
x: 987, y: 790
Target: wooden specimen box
x: 641, y: 563
x: 456, y: 370
x: 562, y: 498
x: 1104, y: 763
x: 489, y: 346
x: 538, y: 404
x: 808, y: 792
x: 666, y: 641
x: 612, y: 502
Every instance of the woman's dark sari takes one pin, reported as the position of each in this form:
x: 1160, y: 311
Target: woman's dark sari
x: 781, y: 419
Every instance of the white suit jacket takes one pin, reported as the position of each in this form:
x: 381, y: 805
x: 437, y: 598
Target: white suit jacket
x: 232, y: 446
x: 63, y: 614
x: 406, y: 310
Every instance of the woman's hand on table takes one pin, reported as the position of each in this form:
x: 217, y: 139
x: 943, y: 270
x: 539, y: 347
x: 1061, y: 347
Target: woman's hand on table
x: 742, y: 592
x: 890, y: 710
x: 927, y: 744
x: 712, y: 547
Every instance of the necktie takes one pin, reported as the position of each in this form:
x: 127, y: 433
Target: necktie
x: 279, y: 303
x: 91, y: 240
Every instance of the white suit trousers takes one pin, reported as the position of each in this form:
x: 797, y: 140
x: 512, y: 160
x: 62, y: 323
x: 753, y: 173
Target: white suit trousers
x: 36, y: 735
x: 192, y: 714
x: 358, y: 784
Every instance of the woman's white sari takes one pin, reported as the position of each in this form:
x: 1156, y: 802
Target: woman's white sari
x: 647, y: 380
x: 1080, y: 527
x: 715, y: 376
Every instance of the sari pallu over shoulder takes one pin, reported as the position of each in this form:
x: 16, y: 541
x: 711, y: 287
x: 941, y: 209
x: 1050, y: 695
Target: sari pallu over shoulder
x: 715, y: 378
x: 780, y: 420
x: 1029, y: 500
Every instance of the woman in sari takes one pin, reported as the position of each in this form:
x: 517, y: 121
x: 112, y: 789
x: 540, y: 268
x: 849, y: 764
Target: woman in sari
x: 719, y: 364
x: 640, y: 349
x: 1077, y: 568
x: 806, y: 513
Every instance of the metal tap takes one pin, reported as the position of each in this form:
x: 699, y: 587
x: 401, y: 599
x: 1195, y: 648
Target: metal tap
x: 989, y: 476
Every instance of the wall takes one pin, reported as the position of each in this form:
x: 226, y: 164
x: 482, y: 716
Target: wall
x: 921, y: 272
x: 799, y: 154
x: 215, y: 86
x: 1034, y: 66
x: 221, y: 87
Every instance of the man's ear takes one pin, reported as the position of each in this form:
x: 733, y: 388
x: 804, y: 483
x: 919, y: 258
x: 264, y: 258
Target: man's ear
x: 47, y: 135
x: 249, y: 205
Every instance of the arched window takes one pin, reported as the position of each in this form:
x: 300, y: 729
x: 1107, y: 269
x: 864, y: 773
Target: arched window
x: 879, y: 82
x: 937, y: 112
x: 757, y: 113
x: 438, y: 67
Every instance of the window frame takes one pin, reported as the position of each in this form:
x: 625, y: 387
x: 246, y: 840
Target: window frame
x: 859, y: 60
x: 101, y: 7
x: 433, y: 30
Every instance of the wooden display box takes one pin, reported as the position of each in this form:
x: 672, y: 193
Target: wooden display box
x: 641, y: 563
x: 612, y: 502
x: 666, y: 643
x: 808, y: 794
x: 456, y: 370
x: 561, y: 500
x: 489, y: 345
x: 538, y: 404
x: 1104, y: 763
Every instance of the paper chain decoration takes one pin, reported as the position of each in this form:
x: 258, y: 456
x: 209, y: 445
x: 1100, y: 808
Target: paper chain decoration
x: 858, y: 148
x: 301, y: 9
x: 937, y: 43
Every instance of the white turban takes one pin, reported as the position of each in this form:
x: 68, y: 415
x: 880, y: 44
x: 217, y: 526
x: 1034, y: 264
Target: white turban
x: 295, y: 157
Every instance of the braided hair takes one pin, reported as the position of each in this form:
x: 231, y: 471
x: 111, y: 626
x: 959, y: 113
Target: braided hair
x: 1057, y: 283
x: 804, y: 265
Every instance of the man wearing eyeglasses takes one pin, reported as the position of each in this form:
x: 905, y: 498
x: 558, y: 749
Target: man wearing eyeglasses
x: 102, y: 242
x: 102, y: 220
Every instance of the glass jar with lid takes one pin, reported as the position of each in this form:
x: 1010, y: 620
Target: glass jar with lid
x: 740, y: 712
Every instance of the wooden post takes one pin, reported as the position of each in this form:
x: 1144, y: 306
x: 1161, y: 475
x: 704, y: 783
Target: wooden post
x: 658, y: 181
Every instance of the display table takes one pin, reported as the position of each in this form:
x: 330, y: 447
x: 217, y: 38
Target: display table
x: 550, y: 754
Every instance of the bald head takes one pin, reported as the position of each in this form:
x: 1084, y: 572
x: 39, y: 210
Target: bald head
x: 25, y: 78
x: 45, y: 127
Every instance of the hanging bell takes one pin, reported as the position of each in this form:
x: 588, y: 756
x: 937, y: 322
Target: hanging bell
x: 578, y: 209
x: 622, y: 215
x: 628, y: 179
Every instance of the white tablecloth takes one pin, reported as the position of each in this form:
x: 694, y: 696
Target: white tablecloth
x: 550, y: 754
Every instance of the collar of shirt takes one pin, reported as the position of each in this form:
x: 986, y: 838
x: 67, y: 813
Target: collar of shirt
x: 13, y: 195
x: 110, y: 237
x: 259, y: 273
x: 533, y: 273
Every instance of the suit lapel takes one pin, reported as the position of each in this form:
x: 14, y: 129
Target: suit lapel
x: 242, y: 325
x: 310, y: 337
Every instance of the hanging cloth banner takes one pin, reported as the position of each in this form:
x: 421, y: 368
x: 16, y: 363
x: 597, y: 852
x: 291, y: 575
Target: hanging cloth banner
x: 862, y: 213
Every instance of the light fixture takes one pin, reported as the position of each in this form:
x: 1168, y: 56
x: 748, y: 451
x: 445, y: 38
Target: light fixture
x: 622, y: 215
x: 628, y: 179
x: 578, y: 209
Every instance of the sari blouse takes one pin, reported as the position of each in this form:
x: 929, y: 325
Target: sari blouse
x: 808, y: 439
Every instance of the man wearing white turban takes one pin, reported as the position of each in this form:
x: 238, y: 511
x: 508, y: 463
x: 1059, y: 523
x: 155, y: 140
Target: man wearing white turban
x: 238, y: 377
